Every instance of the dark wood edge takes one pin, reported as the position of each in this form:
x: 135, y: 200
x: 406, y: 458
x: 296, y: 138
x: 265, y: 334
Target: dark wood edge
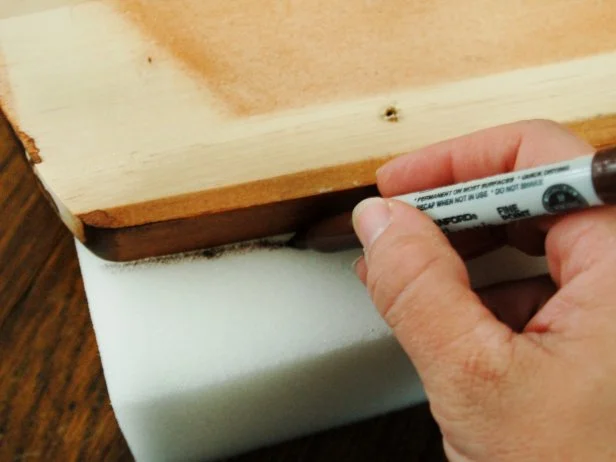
x: 211, y: 230
x: 226, y: 227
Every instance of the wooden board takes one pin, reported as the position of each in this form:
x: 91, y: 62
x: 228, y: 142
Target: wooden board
x: 53, y: 399
x: 158, y: 127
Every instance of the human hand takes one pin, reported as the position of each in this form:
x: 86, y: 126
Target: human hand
x: 518, y: 371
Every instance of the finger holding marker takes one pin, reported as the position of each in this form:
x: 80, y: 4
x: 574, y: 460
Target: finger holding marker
x: 469, y: 359
x: 508, y: 197
x: 421, y: 287
x: 488, y: 152
x: 470, y: 157
x: 493, y: 201
x: 528, y: 193
x: 479, y: 374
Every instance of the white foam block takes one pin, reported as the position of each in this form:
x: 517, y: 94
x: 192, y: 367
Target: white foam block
x: 206, y: 358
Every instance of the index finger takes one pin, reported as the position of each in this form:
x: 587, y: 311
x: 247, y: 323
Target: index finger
x: 484, y: 153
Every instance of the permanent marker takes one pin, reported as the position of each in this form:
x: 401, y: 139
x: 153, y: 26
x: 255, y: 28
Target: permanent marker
x: 586, y: 181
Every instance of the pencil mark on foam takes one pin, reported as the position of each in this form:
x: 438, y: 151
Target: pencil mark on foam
x: 214, y: 253
x: 272, y: 55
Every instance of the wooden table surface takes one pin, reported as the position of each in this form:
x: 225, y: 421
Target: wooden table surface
x: 53, y: 400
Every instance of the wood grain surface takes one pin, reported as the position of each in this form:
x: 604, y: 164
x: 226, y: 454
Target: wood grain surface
x: 212, y: 118
x: 53, y: 400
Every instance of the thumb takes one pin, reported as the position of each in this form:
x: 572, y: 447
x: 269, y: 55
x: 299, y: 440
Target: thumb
x: 421, y: 287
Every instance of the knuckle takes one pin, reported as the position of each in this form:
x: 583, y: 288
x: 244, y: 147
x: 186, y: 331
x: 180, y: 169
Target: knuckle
x: 541, y: 126
x: 482, y: 370
x: 544, y: 124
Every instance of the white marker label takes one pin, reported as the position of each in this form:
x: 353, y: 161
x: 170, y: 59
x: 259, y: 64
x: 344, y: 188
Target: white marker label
x: 550, y: 189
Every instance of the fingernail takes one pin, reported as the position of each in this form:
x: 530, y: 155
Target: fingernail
x: 370, y: 218
x: 355, y: 262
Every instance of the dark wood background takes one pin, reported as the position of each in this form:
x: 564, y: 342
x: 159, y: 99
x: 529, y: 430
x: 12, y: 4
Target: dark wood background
x: 53, y: 400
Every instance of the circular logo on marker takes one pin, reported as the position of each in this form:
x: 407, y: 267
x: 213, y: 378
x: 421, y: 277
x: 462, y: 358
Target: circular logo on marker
x: 562, y: 197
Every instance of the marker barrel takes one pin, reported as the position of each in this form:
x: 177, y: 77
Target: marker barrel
x: 549, y: 189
